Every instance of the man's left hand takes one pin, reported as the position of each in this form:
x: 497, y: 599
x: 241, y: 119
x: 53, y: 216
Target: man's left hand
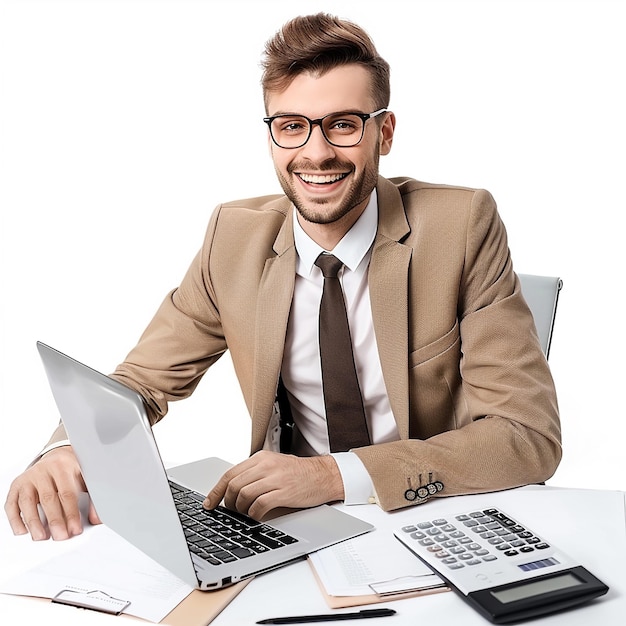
x: 268, y: 480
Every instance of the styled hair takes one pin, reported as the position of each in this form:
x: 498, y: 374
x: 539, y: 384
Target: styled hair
x: 317, y: 44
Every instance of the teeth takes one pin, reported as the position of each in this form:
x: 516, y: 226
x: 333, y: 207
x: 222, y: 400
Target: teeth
x: 319, y: 180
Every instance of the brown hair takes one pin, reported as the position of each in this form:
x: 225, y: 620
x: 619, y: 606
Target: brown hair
x: 318, y: 44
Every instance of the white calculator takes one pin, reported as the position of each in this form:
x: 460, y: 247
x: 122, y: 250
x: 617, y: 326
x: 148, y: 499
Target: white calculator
x: 499, y: 566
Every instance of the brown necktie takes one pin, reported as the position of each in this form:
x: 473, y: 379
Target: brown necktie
x: 345, y: 416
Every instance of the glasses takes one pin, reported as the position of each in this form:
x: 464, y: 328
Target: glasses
x: 343, y: 130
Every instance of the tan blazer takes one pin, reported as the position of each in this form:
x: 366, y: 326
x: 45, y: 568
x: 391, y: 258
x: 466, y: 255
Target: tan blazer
x: 469, y: 386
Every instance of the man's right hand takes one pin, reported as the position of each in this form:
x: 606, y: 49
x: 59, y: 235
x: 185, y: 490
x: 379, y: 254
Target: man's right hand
x: 54, y: 482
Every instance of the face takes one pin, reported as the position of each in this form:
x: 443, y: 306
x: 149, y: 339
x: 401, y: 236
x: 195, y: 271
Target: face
x: 330, y: 186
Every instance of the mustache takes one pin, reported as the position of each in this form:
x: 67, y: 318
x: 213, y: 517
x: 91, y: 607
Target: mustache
x: 327, y: 166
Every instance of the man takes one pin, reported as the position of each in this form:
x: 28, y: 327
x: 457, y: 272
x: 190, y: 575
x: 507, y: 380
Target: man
x: 456, y: 395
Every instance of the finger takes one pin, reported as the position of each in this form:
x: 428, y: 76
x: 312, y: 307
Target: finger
x: 52, y: 507
x: 70, y: 511
x: 265, y: 503
x: 27, y: 501
x: 13, y: 514
x: 93, y: 516
x: 216, y: 495
x: 245, y: 491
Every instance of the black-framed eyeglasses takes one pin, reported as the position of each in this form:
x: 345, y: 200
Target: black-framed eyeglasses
x: 343, y: 130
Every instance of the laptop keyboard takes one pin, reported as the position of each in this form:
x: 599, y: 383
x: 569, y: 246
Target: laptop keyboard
x: 221, y: 535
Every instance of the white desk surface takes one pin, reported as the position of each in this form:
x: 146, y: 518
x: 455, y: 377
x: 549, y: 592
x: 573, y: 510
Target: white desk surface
x: 589, y: 525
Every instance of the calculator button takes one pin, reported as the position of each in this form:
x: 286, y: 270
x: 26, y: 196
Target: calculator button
x: 466, y: 557
x: 434, y: 548
x: 481, y: 552
x: 527, y: 549
x: 473, y: 562
x: 511, y: 552
x: 440, y: 522
x: 465, y: 540
x: 449, y: 528
x: 470, y: 523
x: 457, y: 550
x: 426, y: 542
x: 457, y: 534
x: 487, y: 535
x: 504, y: 546
x: 418, y: 535
x: 450, y: 544
x: 490, y: 557
x: 424, y: 525
x: 462, y: 518
x: 542, y: 546
x: 495, y: 541
x: 449, y: 560
x: 473, y: 546
x: 409, y: 529
x: 456, y: 566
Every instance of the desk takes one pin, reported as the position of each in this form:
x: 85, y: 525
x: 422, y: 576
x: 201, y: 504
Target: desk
x: 563, y: 515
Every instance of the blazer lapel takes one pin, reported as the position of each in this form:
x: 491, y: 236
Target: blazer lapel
x: 272, y: 315
x: 388, y: 284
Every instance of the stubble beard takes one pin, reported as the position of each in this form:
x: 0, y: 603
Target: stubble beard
x: 320, y: 211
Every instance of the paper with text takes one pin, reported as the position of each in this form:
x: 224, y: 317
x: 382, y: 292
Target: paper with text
x: 373, y: 563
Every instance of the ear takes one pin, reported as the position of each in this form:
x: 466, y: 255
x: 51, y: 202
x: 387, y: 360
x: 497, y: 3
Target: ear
x: 386, y: 133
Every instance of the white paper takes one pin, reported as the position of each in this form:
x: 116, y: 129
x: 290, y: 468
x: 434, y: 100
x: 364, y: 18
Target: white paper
x: 106, y: 563
x: 372, y: 563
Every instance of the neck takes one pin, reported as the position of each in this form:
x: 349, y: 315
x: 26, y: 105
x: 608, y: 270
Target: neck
x: 329, y: 235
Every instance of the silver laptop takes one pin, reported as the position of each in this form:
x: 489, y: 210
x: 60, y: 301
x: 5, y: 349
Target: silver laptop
x: 162, y: 514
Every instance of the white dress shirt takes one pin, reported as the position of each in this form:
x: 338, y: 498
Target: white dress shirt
x: 301, y: 369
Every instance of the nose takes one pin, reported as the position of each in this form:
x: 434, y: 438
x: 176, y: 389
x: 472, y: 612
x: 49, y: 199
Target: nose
x: 317, y: 149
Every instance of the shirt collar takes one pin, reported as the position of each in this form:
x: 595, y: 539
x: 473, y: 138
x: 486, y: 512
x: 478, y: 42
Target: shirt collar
x: 350, y: 250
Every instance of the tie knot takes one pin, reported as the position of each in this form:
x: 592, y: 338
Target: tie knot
x: 329, y: 264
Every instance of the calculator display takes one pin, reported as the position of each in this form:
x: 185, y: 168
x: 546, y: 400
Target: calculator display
x: 532, y: 589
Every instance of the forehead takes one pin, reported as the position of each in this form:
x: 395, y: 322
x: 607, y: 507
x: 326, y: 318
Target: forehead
x: 348, y: 87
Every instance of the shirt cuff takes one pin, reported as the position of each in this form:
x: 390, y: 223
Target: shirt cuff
x: 52, y: 446
x: 357, y: 484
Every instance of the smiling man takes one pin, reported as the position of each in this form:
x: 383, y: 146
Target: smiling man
x: 376, y: 326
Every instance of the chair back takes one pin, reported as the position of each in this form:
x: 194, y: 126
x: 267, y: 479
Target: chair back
x: 542, y: 295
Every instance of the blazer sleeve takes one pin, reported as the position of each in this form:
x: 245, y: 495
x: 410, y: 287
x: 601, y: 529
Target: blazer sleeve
x: 501, y: 425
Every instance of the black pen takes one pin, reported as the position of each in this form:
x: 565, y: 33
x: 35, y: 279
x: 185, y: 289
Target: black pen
x: 328, y: 617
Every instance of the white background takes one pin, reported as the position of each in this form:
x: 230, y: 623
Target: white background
x: 123, y: 124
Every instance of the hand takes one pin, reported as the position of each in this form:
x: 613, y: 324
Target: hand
x: 54, y: 482
x: 268, y: 480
